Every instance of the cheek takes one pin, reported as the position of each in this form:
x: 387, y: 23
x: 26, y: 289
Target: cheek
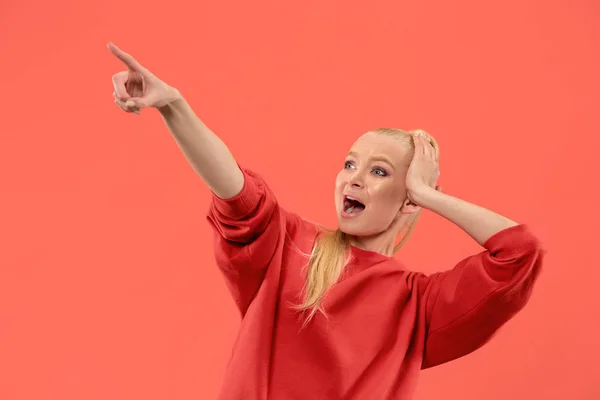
x: 389, y: 197
x: 339, y: 187
x: 398, y: 195
x: 339, y: 181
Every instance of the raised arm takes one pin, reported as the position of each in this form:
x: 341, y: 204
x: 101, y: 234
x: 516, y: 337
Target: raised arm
x: 466, y: 305
x: 137, y: 88
x: 244, y: 214
x: 206, y: 153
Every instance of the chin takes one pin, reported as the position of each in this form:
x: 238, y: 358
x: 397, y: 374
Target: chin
x: 354, y: 228
x: 364, y: 224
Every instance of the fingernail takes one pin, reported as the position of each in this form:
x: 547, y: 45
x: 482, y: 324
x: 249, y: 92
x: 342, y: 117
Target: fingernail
x: 130, y: 104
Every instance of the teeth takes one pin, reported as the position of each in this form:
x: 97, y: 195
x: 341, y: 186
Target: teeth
x: 349, y: 210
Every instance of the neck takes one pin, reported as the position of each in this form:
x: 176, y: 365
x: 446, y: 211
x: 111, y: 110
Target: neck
x: 375, y: 244
x: 382, y: 243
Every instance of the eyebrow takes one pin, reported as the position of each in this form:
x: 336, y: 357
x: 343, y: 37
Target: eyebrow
x: 376, y: 158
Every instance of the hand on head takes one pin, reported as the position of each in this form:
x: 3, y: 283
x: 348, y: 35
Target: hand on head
x: 137, y: 88
x: 424, y: 171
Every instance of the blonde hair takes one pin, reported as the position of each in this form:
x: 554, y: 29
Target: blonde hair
x: 330, y: 254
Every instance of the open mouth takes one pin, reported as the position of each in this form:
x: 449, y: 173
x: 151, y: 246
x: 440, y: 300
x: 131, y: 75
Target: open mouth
x: 352, y: 206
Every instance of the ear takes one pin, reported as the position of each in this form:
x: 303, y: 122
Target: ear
x: 408, y: 207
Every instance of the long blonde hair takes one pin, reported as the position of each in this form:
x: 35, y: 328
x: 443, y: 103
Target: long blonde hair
x: 330, y: 254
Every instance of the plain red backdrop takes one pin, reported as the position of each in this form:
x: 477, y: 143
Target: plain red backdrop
x: 108, y: 289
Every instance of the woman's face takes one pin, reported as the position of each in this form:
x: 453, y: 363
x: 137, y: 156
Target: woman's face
x: 373, y: 174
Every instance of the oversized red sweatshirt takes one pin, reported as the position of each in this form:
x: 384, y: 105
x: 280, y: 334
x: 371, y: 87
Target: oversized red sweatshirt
x: 384, y: 322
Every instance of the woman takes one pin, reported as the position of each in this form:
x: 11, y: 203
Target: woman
x: 331, y: 315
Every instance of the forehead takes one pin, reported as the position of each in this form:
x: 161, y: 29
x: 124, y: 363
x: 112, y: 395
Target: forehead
x: 394, y: 148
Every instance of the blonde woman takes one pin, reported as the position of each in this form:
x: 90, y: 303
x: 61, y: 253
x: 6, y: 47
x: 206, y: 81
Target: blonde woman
x: 331, y: 314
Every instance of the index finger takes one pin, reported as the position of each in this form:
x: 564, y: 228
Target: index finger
x: 428, y: 147
x: 419, y: 148
x: 126, y: 59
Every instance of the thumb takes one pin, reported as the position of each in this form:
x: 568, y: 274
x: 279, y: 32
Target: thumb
x: 137, y: 103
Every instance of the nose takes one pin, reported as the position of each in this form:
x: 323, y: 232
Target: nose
x: 356, y: 180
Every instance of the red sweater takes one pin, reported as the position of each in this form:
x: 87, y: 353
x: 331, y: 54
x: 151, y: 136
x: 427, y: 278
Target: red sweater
x: 385, y: 323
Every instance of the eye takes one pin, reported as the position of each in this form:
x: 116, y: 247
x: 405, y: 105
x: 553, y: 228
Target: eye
x: 348, y: 164
x: 380, y: 172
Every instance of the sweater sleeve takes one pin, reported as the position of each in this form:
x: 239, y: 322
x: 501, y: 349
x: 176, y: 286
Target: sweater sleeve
x: 246, y: 229
x: 464, y: 307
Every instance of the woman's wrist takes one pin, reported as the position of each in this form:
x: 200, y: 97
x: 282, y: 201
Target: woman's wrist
x: 175, y: 100
x: 425, y: 197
